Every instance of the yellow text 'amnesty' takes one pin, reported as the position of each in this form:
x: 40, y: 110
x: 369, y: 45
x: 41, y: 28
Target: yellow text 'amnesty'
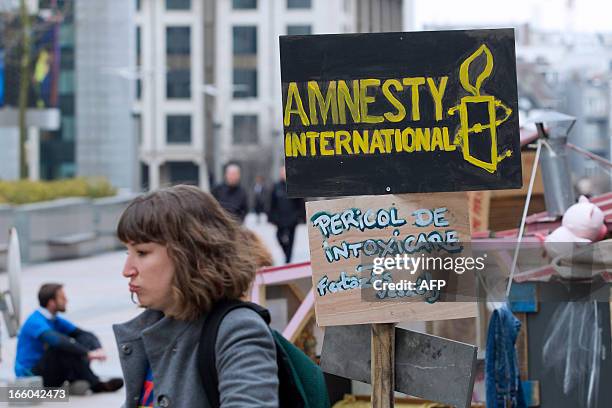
x: 343, y: 106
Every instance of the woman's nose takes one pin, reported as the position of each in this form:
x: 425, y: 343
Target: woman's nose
x: 129, y: 269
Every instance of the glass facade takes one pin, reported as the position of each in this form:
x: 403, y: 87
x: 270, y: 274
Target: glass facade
x: 57, y: 148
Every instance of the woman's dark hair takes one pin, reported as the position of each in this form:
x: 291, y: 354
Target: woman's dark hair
x: 205, y: 244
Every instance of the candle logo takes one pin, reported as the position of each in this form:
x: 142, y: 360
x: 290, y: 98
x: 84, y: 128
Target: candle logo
x: 482, y: 106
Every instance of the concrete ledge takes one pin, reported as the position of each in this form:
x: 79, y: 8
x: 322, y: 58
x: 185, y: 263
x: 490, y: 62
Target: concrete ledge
x: 64, y: 228
x: 7, y: 220
x: 45, y: 119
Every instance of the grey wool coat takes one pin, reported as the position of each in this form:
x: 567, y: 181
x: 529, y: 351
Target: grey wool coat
x: 245, y: 359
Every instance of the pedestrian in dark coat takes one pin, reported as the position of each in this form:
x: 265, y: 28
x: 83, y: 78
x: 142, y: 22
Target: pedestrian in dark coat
x: 259, y: 197
x: 286, y: 213
x: 231, y: 195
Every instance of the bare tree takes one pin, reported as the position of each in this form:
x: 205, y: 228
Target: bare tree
x: 24, y: 84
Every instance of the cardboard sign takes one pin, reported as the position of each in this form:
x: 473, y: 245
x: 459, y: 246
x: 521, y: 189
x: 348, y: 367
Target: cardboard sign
x: 346, y: 234
x: 391, y: 113
x: 479, y: 203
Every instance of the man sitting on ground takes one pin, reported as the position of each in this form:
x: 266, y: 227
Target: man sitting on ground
x: 55, y: 349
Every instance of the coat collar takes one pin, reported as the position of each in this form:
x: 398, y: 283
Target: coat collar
x: 154, y: 328
x: 132, y: 329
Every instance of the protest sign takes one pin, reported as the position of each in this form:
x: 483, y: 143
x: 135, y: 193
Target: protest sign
x: 392, y: 113
x: 347, y: 235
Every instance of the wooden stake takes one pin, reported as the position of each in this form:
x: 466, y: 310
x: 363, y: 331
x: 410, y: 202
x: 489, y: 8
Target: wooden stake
x: 383, y: 365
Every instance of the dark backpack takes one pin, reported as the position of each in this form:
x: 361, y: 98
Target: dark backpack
x: 301, y: 381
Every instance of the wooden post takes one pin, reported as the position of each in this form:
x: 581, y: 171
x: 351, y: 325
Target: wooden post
x: 383, y: 365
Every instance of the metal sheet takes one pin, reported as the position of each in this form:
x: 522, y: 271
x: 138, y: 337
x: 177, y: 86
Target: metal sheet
x: 426, y: 366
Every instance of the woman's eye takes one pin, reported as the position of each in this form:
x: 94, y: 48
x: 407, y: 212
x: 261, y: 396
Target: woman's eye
x: 141, y: 253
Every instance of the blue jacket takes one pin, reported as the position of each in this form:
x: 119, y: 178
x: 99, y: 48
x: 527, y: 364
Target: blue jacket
x: 42, y: 330
x: 502, y: 373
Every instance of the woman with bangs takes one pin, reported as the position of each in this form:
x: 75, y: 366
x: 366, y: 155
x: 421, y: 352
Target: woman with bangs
x: 185, y: 254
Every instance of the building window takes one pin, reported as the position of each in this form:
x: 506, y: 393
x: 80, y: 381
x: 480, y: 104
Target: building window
x: 178, y: 129
x: 245, y: 129
x: 245, y: 83
x: 66, y: 34
x: 137, y: 124
x: 245, y: 61
x: 144, y: 176
x: 299, y: 30
x: 68, y: 128
x: 178, y: 62
x: 245, y: 40
x: 183, y: 173
x: 66, y: 104
x: 67, y: 170
x: 138, y: 62
x: 178, y: 4
x: 244, y: 4
x: 138, y: 45
x: 299, y: 4
x: 178, y: 40
x: 67, y: 57
x: 66, y: 82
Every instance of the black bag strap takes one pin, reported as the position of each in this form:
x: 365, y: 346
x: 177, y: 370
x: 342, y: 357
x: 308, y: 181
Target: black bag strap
x: 208, y: 339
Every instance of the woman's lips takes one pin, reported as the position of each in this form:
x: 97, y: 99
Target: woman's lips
x: 134, y: 288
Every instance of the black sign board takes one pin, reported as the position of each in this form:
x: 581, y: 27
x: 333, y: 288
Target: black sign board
x: 393, y: 113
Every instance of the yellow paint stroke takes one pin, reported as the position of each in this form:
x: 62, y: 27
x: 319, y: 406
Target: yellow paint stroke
x: 464, y: 75
x: 465, y: 131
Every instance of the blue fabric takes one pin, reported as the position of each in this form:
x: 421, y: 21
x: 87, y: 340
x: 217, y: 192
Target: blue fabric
x: 30, y: 347
x: 147, y: 395
x: 1, y: 77
x: 502, y: 374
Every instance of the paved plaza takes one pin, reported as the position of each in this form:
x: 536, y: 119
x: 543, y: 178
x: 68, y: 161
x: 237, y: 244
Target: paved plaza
x: 98, y: 297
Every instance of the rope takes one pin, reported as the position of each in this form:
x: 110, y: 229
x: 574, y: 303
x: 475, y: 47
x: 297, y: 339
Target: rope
x: 590, y: 155
x: 524, y: 218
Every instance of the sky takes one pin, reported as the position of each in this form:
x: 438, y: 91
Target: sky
x: 586, y: 15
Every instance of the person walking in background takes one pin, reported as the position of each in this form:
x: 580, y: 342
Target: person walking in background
x: 55, y: 349
x: 259, y: 197
x: 230, y: 194
x: 286, y: 213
